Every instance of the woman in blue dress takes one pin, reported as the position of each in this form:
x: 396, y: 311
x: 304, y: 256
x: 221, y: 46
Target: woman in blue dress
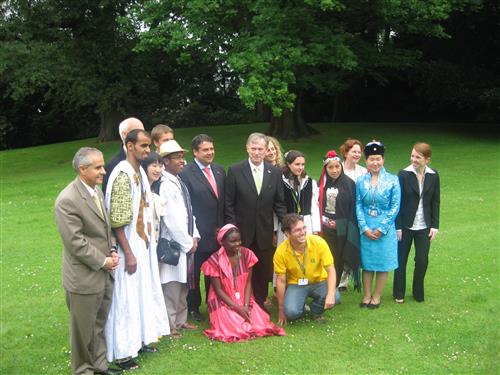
x: 377, y: 204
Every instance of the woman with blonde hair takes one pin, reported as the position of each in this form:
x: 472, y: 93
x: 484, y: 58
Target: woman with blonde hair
x: 274, y: 155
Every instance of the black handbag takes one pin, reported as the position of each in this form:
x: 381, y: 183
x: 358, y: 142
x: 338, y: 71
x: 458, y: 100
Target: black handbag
x: 168, y: 251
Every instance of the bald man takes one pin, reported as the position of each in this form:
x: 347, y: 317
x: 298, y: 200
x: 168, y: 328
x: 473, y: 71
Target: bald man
x: 125, y: 127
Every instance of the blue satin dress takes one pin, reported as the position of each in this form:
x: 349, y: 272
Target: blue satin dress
x: 377, y: 208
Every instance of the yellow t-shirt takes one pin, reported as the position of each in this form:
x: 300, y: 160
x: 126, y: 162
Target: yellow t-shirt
x: 318, y: 256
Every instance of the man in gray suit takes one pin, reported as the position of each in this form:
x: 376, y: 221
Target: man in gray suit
x: 89, y: 256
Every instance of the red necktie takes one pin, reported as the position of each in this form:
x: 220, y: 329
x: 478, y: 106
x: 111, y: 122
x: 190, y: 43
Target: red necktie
x: 211, y: 180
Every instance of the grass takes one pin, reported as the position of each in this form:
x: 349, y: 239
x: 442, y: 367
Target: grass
x: 454, y: 331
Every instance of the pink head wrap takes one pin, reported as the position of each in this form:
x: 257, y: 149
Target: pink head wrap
x: 222, y: 231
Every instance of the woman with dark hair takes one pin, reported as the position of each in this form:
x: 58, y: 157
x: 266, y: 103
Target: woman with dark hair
x: 234, y: 314
x: 153, y: 166
x: 301, y: 192
x: 339, y: 226
x: 418, y: 219
x: 377, y: 205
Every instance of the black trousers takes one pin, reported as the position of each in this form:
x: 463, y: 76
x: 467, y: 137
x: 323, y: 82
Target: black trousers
x: 262, y: 272
x: 422, y: 243
x: 330, y: 236
x: 194, y: 295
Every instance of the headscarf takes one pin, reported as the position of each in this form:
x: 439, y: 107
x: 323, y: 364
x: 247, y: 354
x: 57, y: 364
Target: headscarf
x: 222, y: 231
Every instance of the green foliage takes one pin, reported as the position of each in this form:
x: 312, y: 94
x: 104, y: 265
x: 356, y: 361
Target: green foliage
x: 278, y: 48
x: 456, y: 330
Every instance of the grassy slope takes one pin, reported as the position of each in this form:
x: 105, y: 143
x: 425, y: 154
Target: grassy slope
x: 454, y: 331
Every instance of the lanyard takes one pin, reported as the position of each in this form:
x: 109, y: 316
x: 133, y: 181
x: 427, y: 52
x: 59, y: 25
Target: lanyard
x: 301, y: 265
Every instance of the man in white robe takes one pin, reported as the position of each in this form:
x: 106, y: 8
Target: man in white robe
x: 138, y: 315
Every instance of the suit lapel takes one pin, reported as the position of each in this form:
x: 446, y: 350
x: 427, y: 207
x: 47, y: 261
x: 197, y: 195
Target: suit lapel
x: 266, y: 177
x: 88, y: 199
x: 427, y: 182
x: 200, y: 176
x: 247, y: 172
x: 414, y: 183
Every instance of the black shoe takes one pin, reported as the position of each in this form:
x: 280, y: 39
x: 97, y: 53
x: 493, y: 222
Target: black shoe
x: 362, y: 304
x: 129, y: 364
x: 147, y: 349
x: 196, y: 315
x: 373, y: 305
x: 110, y: 371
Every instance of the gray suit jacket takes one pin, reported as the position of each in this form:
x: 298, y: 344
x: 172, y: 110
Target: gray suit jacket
x: 86, y: 237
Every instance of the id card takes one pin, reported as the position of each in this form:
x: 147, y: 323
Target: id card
x: 373, y: 213
x: 237, y: 295
x: 303, y: 281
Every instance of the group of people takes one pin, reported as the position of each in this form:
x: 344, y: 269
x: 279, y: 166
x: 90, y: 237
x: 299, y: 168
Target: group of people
x: 264, y: 221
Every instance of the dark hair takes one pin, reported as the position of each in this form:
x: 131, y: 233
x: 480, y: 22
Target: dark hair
x: 199, y: 139
x: 153, y: 157
x: 289, y: 220
x: 133, y: 135
x: 290, y: 157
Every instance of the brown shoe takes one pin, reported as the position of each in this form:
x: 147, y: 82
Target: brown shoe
x: 175, y: 334
x: 189, y: 326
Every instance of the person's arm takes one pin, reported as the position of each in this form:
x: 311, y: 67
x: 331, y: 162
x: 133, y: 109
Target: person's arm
x: 279, y: 205
x: 248, y: 291
x: 219, y: 290
x: 280, y: 295
x: 435, y: 206
x: 390, y: 217
x: 331, y: 283
x: 315, y: 214
x: 399, y: 224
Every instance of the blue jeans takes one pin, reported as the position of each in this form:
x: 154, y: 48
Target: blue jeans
x: 296, y: 296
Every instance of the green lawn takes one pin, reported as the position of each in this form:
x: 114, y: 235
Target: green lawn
x: 455, y: 331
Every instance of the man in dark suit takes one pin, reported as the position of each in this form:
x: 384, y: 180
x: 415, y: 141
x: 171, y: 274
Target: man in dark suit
x: 125, y: 127
x: 254, y: 190
x: 205, y: 182
x: 88, y: 257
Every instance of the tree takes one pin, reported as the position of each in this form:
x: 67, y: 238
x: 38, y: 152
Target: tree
x: 73, y: 53
x: 278, y: 49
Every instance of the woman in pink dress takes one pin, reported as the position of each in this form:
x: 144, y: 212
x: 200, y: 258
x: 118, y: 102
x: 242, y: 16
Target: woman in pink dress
x: 234, y: 314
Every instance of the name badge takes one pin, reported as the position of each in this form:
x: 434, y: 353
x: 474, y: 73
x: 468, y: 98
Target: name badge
x: 372, y: 213
x: 237, y: 295
x: 303, y: 281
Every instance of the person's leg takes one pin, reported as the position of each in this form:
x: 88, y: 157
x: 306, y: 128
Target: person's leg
x: 182, y: 309
x: 83, y: 310
x: 261, y: 274
x: 194, y: 295
x: 380, y: 280
x: 422, y: 247
x: 295, y: 299
x: 367, y: 286
x: 404, y: 246
x: 318, y: 293
x: 170, y: 294
x: 100, y: 362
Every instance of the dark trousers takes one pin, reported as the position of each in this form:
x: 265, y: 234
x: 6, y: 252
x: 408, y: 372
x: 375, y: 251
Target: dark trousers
x: 422, y: 246
x: 262, y: 272
x: 194, y: 295
x: 330, y: 236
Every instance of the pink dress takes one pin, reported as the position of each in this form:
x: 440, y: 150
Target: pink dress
x: 226, y: 324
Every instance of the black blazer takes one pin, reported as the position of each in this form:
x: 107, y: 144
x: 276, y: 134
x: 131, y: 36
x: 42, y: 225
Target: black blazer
x: 207, y: 208
x: 410, y: 196
x: 252, y: 213
x: 110, y: 165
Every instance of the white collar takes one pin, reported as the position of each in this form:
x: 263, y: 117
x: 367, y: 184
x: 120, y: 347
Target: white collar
x: 411, y: 169
x: 201, y: 166
x: 253, y: 166
x: 89, y: 189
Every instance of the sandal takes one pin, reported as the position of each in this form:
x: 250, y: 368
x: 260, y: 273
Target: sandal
x: 175, y: 334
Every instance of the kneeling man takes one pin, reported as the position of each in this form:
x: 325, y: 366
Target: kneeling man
x: 304, y: 267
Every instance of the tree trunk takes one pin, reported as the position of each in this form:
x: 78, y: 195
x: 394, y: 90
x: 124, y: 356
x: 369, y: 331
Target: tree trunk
x: 263, y: 112
x: 335, y: 112
x: 109, y: 125
x: 291, y: 124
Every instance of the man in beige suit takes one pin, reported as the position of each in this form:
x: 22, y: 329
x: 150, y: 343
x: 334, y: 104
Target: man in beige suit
x: 89, y: 256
